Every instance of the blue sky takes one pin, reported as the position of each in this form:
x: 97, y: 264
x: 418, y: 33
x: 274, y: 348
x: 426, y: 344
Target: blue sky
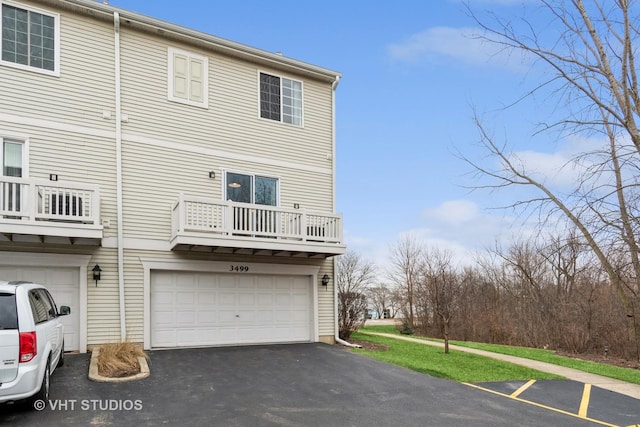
x: 411, y: 79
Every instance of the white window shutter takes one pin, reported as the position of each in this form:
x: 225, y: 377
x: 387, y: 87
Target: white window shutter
x: 180, y: 76
x: 196, y: 84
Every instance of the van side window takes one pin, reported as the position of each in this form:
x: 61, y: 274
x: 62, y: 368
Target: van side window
x: 53, y: 309
x: 39, y: 306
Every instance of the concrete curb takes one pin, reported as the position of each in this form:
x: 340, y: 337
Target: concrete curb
x: 95, y: 376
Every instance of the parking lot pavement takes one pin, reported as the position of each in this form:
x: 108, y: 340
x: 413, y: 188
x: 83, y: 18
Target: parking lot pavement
x: 280, y: 385
x: 583, y: 400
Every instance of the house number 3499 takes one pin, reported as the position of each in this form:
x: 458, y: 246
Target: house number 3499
x: 239, y: 268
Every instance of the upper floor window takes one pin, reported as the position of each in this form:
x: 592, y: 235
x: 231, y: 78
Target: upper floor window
x: 246, y: 188
x: 13, y: 161
x: 280, y: 99
x: 12, y: 158
x: 29, y: 38
x: 188, y: 78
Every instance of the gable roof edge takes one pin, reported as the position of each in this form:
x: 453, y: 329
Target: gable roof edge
x: 170, y: 30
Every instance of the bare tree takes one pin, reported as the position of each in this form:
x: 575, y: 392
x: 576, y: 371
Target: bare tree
x: 354, y: 275
x: 381, y: 299
x: 406, y: 257
x: 442, y: 286
x: 591, y: 69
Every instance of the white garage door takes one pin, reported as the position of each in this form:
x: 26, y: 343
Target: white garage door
x: 198, y: 309
x: 64, y: 285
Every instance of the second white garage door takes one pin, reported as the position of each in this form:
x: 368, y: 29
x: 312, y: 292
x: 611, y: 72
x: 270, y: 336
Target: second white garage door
x: 199, y: 309
x: 63, y: 283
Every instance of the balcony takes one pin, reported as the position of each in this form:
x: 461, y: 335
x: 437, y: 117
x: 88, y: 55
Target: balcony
x: 210, y: 225
x: 51, y: 212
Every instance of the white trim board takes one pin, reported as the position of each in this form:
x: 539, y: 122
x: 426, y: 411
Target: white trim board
x: 180, y: 146
x: 139, y: 139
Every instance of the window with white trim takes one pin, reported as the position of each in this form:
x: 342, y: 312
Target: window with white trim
x: 280, y: 99
x: 247, y: 188
x: 12, y: 158
x: 29, y: 38
x: 188, y: 78
x: 12, y: 165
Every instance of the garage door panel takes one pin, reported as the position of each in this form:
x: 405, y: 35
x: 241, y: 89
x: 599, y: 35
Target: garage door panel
x: 267, y: 316
x: 206, y: 297
x: 247, y: 316
x: 226, y: 316
x: 298, y: 299
x: 265, y: 283
x: 185, y: 318
x: 225, y: 281
x: 186, y: 298
x: 264, y: 299
x: 229, y: 309
x: 298, y: 315
x: 245, y: 282
x: 227, y: 299
x: 283, y: 300
x: 165, y: 318
x: 64, y: 285
x: 207, y: 317
x: 247, y: 299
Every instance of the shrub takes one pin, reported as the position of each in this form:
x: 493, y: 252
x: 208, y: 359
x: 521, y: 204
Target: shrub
x: 405, y: 328
x: 120, y: 359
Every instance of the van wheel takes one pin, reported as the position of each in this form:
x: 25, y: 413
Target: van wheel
x: 43, y: 393
x: 61, y: 358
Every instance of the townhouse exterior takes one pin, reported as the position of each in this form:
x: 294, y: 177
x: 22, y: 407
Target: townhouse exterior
x: 173, y: 188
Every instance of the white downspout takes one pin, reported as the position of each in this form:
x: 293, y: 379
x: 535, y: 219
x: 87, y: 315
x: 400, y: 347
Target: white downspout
x: 120, y: 238
x: 333, y: 175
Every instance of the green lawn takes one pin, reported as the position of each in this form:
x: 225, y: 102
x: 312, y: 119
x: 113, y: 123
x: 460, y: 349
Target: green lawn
x: 624, y: 374
x: 456, y: 365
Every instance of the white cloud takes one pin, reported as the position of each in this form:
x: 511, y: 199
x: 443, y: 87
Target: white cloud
x: 555, y: 169
x: 561, y: 169
x: 460, y: 227
x: 461, y: 44
x: 453, y: 212
x: 463, y: 228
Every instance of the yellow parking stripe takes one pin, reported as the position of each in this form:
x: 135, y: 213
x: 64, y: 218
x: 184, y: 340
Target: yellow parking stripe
x: 584, y: 403
x: 523, y: 388
x: 539, y: 405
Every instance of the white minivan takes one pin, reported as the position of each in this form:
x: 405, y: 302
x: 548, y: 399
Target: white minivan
x: 31, y: 341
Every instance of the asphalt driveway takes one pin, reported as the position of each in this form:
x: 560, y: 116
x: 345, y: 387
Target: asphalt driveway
x: 281, y: 385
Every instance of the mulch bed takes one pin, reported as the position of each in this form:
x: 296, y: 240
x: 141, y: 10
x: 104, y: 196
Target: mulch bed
x: 369, y: 346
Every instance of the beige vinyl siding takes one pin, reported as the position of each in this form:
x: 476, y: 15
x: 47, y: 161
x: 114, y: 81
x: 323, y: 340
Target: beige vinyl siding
x: 232, y: 119
x: 326, y: 315
x: 103, y: 315
x: 155, y: 176
x: 84, y: 88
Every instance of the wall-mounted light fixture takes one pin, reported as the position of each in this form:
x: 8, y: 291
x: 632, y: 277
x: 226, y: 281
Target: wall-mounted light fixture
x: 96, y: 273
x: 212, y: 174
x: 325, y: 280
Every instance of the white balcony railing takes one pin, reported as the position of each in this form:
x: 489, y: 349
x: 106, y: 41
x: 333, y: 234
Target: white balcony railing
x: 242, y: 220
x: 34, y: 201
